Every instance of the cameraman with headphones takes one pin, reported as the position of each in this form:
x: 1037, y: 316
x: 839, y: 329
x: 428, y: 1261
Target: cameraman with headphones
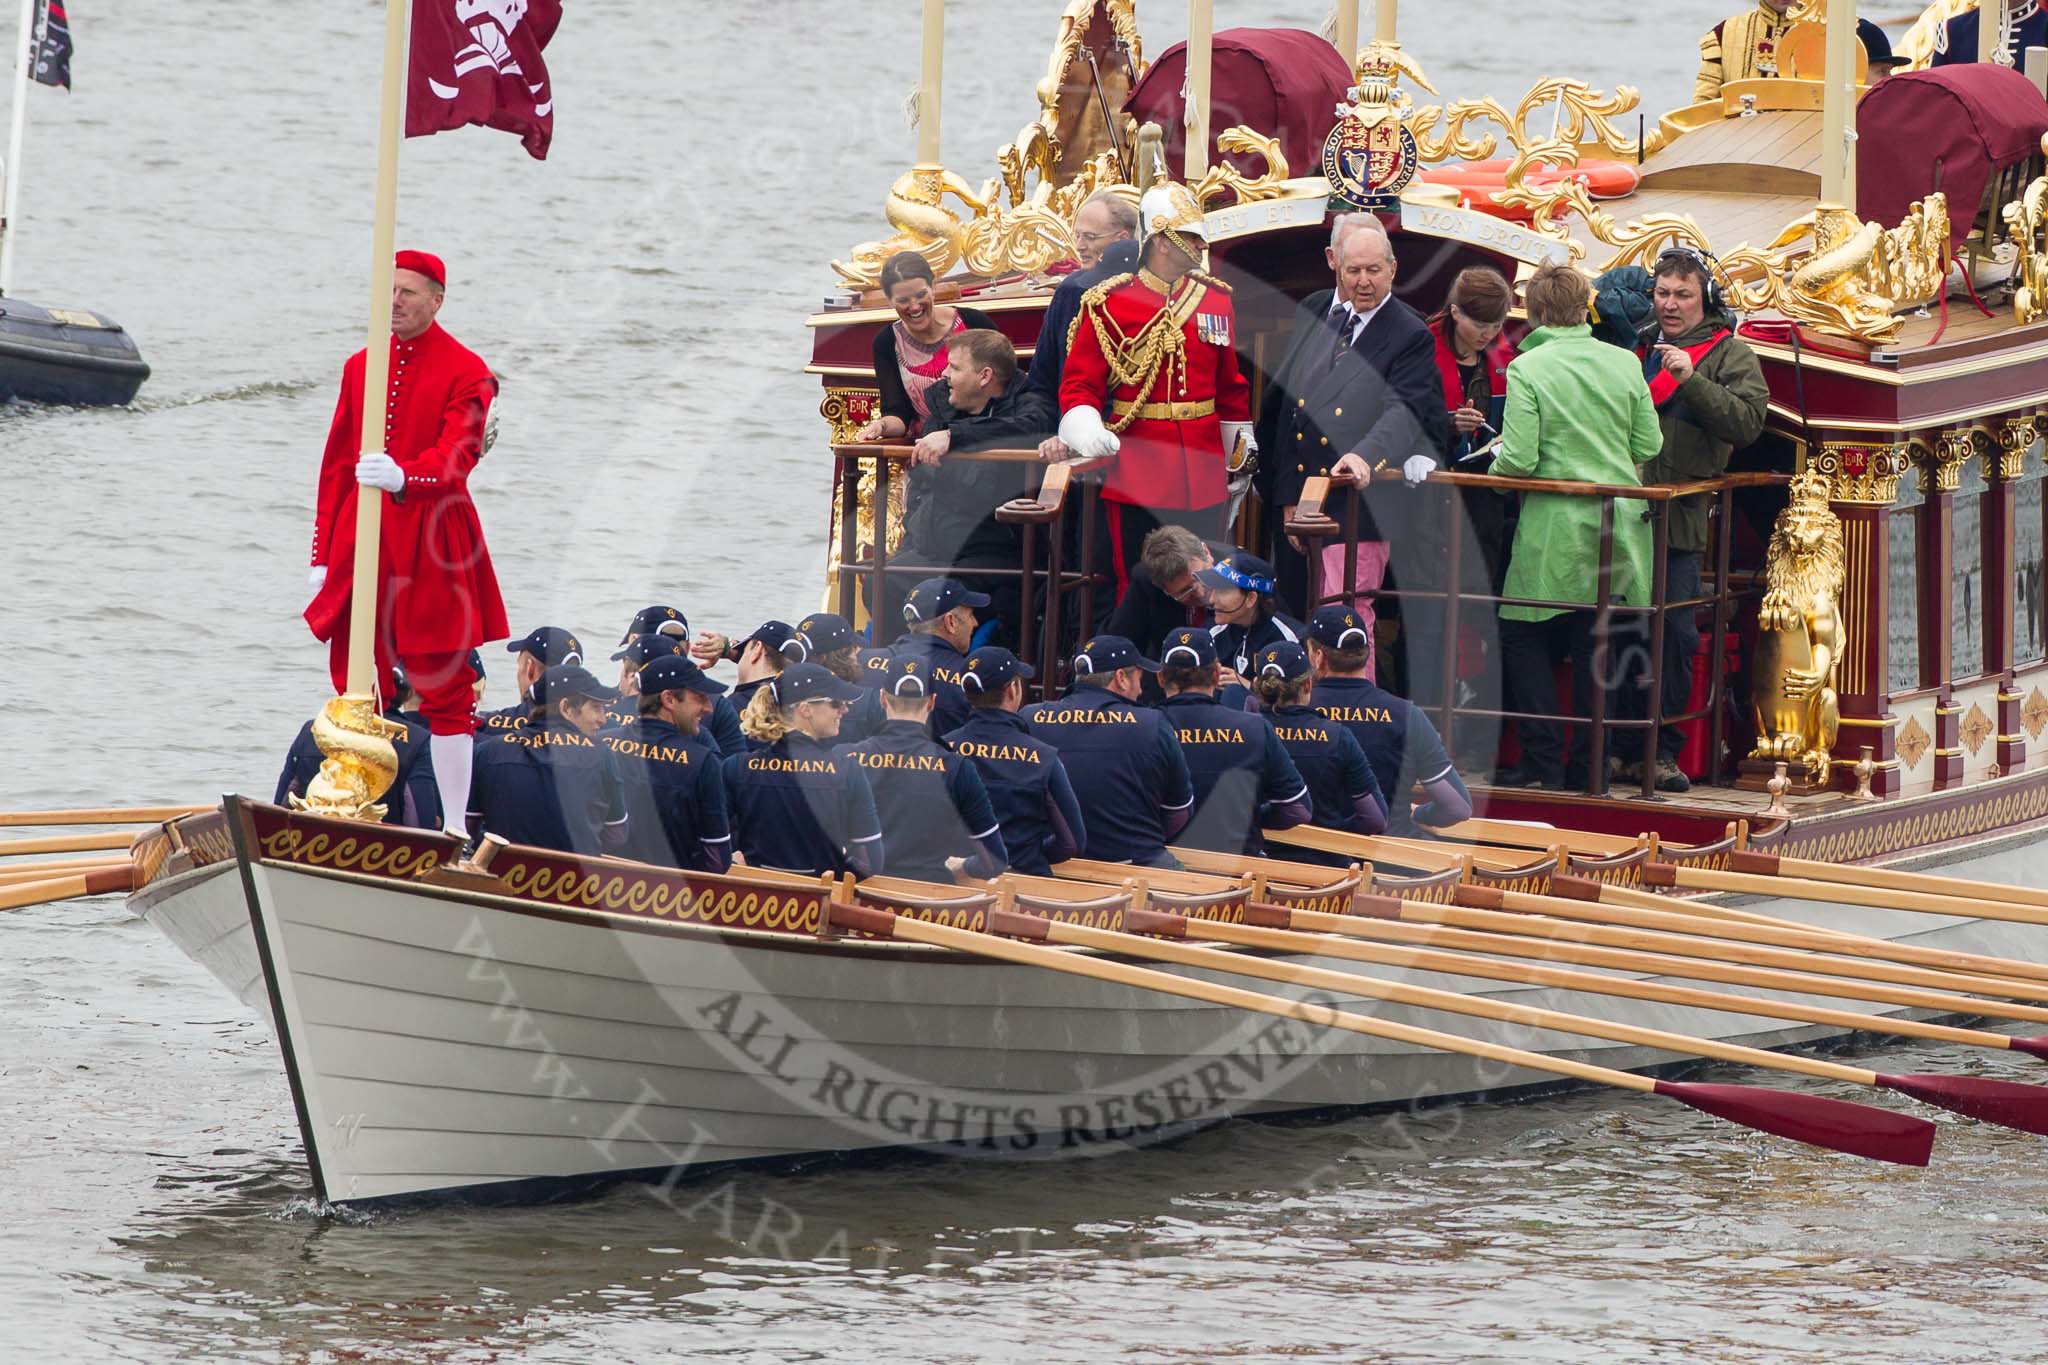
x: 1711, y: 401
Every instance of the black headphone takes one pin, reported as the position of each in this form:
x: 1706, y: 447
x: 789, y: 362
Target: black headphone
x: 1704, y: 260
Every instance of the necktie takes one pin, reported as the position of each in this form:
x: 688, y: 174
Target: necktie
x: 1344, y: 320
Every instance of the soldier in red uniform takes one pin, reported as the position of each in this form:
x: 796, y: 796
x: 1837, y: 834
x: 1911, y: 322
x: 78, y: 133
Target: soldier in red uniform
x: 1155, y: 353
x: 437, y: 597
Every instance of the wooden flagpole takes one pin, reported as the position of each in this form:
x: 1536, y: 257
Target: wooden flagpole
x: 1200, y: 54
x: 362, y: 616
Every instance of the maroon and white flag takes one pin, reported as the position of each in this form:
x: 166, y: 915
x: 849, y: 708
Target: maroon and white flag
x: 479, y: 61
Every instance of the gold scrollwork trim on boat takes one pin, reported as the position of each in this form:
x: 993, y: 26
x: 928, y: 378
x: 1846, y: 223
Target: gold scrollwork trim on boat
x: 634, y: 894
x: 1961, y: 820
x: 1858, y: 474
x: 2016, y: 437
x: 1224, y: 178
x: 2026, y: 223
x: 349, y: 853
x: 1941, y: 464
x: 1579, y: 111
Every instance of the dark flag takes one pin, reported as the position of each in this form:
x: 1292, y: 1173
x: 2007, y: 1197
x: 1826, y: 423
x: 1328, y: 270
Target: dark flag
x: 52, y: 44
x: 479, y: 61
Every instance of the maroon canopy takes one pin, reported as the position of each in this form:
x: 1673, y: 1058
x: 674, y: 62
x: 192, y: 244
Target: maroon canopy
x: 1282, y: 82
x: 1968, y: 121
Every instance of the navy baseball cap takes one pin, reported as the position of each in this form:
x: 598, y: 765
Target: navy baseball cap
x: 551, y: 645
x: 991, y: 670
x: 779, y: 636
x: 1284, y: 660
x: 476, y: 664
x: 906, y: 678
x: 675, y: 673
x: 934, y: 597
x: 1189, y: 647
x: 1338, y: 627
x: 1108, y: 653
x: 401, y: 684
x: 1246, y: 572
x: 572, y: 680
x: 821, y: 633
x: 657, y: 620
x: 810, y: 682
x: 645, y: 649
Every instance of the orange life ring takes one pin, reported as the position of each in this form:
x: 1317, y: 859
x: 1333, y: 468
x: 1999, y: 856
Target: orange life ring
x: 1475, y: 182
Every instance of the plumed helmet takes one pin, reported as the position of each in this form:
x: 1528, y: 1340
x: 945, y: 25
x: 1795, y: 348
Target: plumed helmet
x: 1170, y: 205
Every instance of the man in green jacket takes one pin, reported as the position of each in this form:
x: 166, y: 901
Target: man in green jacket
x: 1711, y: 401
x: 1577, y: 409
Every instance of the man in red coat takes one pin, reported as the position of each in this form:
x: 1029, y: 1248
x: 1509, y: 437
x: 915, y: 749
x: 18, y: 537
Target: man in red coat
x: 1156, y: 353
x: 437, y: 597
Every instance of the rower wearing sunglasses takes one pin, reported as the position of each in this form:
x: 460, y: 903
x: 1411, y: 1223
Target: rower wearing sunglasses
x: 798, y: 805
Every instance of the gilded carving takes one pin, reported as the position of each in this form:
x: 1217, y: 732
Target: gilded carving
x: 1860, y: 475
x: 377, y: 857
x: 359, y: 763
x: 1799, y: 632
x: 1977, y: 728
x: 1914, y: 742
x: 1066, y: 147
x: 1941, y: 464
x: 2026, y: 223
x: 1225, y: 178
x: 2034, y: 714
x: 639, y: 894
x: 2016, y: 436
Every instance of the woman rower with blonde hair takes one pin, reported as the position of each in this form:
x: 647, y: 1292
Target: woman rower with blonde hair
x: 1343, y: 793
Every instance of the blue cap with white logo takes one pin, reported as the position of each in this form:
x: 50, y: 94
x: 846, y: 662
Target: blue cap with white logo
x: 1188, y: 647
x: 991, y: 670
x: 1107, y: 654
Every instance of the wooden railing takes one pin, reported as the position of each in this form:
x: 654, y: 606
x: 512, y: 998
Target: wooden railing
x: 1313, y: 525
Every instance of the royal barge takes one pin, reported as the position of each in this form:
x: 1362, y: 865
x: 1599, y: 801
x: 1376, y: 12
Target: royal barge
x: 528, y: 1019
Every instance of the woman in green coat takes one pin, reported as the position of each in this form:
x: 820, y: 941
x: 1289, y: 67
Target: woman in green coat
x: 1577, y: 409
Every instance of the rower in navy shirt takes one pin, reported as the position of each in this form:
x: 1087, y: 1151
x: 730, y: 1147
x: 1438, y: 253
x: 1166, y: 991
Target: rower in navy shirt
x: 826, y: 639
x: 538, y: 651
x: 798, y: 805
x: 1343, y: 793
x: 671, y: 627
x: 413, y: 799
x: 1026, y: 781
x: 935, y: 813
x: 1123, y: 759
x: 675, y: 781
x: 551, y: 782
x: 939, y: 615
x: 1398, y: 739
x: 1248, y: 618
x: 1243, y: 778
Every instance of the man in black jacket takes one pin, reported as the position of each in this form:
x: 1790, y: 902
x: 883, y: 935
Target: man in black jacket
x: 951, y: 521
x: 1358, y: 391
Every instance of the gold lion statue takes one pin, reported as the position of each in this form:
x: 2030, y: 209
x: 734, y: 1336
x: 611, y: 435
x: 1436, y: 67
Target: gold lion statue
x: 1799, y: 633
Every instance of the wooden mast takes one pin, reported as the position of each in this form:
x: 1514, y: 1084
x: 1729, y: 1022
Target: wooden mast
x: 1385, y: 19
x: 1347, y: 30
x: 931, y: 79
x: 1838, y: 108
x: 1201, y: 51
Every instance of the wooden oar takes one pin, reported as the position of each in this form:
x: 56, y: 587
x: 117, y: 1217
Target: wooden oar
x: 1519, y: 936
x: 64, y: 843
x: 1831, y: 893
x: 39, y: 871
x: 108, y: 815
x: 1163, y: 879
x: 2010, y: 1103
x: 1814, y: 1119
x: 112, y: 881
x: 1273, y: 926
x: 1418, y: 854
x: 1303, y: 876
x: 2024, y: 980
x: 1884, y: 879
x: 1538, y: 836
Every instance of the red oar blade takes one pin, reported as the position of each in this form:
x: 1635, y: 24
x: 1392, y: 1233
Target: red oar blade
x: 2033, y: 1047
x: 2010, y: 1104
x: 1858, y: 1129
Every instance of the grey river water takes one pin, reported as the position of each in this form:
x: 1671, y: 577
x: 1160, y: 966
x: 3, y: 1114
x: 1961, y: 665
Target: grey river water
x: 643, y: 292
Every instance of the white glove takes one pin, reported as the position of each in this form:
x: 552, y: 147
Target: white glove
x: 317, y: 579
x: 1417, y: 469
x: 1081, y: 428
x: 380, y: 471
x: 1231, y: 432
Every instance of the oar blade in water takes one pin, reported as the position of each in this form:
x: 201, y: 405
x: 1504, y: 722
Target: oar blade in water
x: 2010, y: 1104
x: 1858, y: 1129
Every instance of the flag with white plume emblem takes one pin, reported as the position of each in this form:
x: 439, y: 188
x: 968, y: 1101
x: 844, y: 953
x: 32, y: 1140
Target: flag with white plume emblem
x: 479, y: 61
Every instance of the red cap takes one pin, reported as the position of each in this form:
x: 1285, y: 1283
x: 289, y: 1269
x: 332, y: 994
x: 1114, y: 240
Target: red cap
x: 422, y: 263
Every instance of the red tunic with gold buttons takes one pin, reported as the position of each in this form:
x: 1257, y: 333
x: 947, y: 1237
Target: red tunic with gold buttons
x: 436, y: 591
x: 1172, y: 453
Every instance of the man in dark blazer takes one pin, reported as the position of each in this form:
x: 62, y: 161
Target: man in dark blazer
x: 1359, y: 391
